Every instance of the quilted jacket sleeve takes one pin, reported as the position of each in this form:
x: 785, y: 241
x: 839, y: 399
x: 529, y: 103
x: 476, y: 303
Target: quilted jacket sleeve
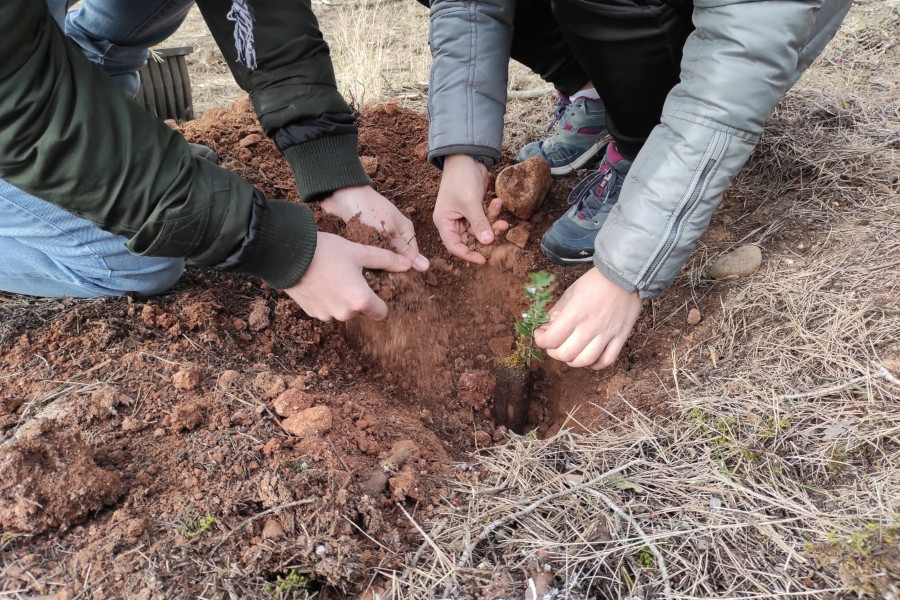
x: 470, y: 44
x: 738, y: 63
x: 69, y: 136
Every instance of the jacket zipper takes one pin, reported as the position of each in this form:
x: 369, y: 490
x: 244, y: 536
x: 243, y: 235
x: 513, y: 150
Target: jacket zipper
x: 686, y: 210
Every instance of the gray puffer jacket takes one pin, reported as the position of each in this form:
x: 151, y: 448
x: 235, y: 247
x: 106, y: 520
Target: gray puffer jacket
x: 740, y: 60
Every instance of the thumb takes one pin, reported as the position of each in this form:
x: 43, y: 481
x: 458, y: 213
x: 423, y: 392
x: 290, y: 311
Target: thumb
x: 375, y: 308
x: 371, y: 257
x: 479, y: 224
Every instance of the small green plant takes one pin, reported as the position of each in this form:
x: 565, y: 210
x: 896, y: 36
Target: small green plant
x: 293, y: 586
x: 194, y: 527
x: 539, y: 293
x: 645, y: 558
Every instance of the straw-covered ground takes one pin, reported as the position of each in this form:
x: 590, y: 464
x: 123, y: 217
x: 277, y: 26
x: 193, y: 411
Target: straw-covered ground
x: 779, y: 473
x: 755, y: 454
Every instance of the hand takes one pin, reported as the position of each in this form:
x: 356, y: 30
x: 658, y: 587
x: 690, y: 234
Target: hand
x: 378, y: 212
x: 591, y: 322
x: 458, y: 209
x: 333, y: 286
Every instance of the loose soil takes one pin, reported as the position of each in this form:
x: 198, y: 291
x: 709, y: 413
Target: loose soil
x: 210, y: 440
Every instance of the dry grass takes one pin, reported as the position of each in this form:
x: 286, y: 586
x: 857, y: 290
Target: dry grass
x: 780, y: 476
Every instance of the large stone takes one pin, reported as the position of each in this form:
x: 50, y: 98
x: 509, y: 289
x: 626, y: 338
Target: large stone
x: 740, y: 262
x: 292, y: 401
x: 523, y: 187
x: 310, y: 422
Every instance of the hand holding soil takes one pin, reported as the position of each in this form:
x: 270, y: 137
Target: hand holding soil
x: 377, y: 212
x: 459, y: 211
x: 591, y: 322
x: 334, y: 287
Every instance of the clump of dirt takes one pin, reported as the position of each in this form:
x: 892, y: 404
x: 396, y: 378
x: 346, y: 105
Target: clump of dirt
x: 50, y: 479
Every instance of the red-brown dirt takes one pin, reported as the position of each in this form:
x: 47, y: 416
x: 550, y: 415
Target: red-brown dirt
x: 213, y: 438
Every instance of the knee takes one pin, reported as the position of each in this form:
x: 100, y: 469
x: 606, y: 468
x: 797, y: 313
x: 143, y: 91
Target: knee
x: 157, y: 276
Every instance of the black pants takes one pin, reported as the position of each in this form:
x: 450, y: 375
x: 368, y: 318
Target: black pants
x: 539, y: 44
x: 630, y: 50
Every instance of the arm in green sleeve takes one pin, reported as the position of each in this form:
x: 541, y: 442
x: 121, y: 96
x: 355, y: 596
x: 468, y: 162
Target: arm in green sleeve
x: 67, y: 135
x: 292, y: 86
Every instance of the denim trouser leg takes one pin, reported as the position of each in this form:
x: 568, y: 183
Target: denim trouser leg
x: 115, y: 34
x: 50, y: 252
x: 47, y: 251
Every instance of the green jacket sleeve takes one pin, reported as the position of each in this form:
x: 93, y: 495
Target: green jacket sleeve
x: 67, y: 135
x: 291, y: 81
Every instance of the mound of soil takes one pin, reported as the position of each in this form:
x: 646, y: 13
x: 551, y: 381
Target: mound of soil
x: 215, y: 438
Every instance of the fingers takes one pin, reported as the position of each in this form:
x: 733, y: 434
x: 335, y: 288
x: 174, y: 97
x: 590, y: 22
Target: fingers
x: 480, y: 226
x: 552, y: 334
x: 405, y: 243
x: 375, y: 308
x: 610, y: 354
x: 494, y: 208
x: 452, y: 240
x: 382, y: 259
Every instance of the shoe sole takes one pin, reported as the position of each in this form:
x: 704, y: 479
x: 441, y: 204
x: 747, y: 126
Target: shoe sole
x: 589, y: 155
x: 555, y: 258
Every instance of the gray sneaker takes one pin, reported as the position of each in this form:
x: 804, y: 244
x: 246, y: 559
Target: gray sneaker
x: 578, y: 135
x: 570, y: 240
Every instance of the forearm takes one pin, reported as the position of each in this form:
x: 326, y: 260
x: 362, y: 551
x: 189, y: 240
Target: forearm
x: 67, y: 135
x: 739, y: 62
x: 292, y: 86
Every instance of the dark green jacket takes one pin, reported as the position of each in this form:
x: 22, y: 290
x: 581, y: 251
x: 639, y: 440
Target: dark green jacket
x: 68, y: 135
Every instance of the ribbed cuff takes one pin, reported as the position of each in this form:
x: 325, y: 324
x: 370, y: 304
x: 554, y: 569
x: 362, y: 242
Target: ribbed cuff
x: 326, y: 164
x: 285, y: 246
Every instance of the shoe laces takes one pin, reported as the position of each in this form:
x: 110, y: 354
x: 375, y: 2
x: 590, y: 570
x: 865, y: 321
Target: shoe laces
x: 562, y: 105
x: 594, y: 191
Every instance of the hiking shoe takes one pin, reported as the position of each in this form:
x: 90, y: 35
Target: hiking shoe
x: 578, y: 135
x: 570, y: 240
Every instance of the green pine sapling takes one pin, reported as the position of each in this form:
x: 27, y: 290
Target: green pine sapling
x: 539, y: 293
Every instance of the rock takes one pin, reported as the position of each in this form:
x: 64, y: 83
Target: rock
x: 694, y: 317
x: 518, y: 235
x: 185, y: 417
x: 369, y: 164
x: 272, y: 529
x: 259, y: 316
x: 50, y: 480
x: 312, y: 421
x: 132, y: 425
x: 740, y: 262
x: 253, y: 138
x: 227, y: 379
x: 523, y: 187
x: 186, y: 380
x: 292, y: 401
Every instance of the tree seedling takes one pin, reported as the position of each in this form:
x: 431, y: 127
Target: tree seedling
x: 512, y: 389
x: 194, y: 527
x: 539, y: 293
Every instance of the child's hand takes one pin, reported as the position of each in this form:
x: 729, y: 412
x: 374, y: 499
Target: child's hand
x: 591, y: 322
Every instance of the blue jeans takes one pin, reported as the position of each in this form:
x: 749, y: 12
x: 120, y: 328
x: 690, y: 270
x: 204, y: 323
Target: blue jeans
x: 47, y: 251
